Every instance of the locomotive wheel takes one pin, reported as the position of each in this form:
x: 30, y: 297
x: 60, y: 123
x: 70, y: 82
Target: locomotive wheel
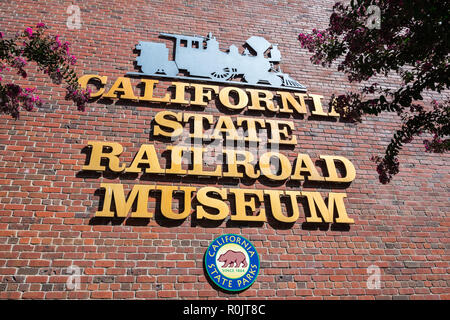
x: 224, y: 74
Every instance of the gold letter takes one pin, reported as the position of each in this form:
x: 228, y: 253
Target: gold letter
x: 224, y: 97
x: 122, y: 84
x: 275, y: 205
x: 84, y: 80
x: 176, y: 159
x: 318, y: 109
x: 180, y: 88
x: 97, y: 154
x: 279, y: 136
x: 162, y: 119
x: 287, y: 99
x: 147, y: 150
x: 225, y: 125
x: 242, y: 204
x: 256, y: 99
x: 197, y: 164
x: 252, y: 132
x: 304, y: 159
x: 332, y: 172
x: 266, y: 166
x: 232, y: 163
x: 148, y: 92
x: 122, y: 206
x: 327, y: 213
x: 198, y: 123
x: 205, y: 200
x: 199, y: 93
x: 167, y: 199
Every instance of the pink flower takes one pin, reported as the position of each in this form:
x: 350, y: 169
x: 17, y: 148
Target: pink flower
x: 58, y: 42
x: 29, y: 32
x: 23, y: 73
x: 66, y: 46
x: 1, y: 35
x: 19, y: 62
x: 40, y: 25
x: 73, y: 60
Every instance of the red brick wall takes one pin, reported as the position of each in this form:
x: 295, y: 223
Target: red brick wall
x: 47, y: 205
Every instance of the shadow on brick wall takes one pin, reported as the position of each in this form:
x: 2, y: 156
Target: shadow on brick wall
x: 323, y: 226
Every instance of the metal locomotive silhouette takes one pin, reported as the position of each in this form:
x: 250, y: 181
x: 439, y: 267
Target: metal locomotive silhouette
x: 202, y: 59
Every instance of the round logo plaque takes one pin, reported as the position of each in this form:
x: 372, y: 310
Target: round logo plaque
x: 232, y: 262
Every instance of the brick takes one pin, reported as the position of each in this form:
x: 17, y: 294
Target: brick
x: 47, y: 203
x: 102, y: 295
x: 33, y: 295
x: 37, y: 279
x: 167, y: 294
x: 123, y: 295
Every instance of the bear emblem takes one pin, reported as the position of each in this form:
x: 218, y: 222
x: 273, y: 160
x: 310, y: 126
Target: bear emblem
x: 233, y: 259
